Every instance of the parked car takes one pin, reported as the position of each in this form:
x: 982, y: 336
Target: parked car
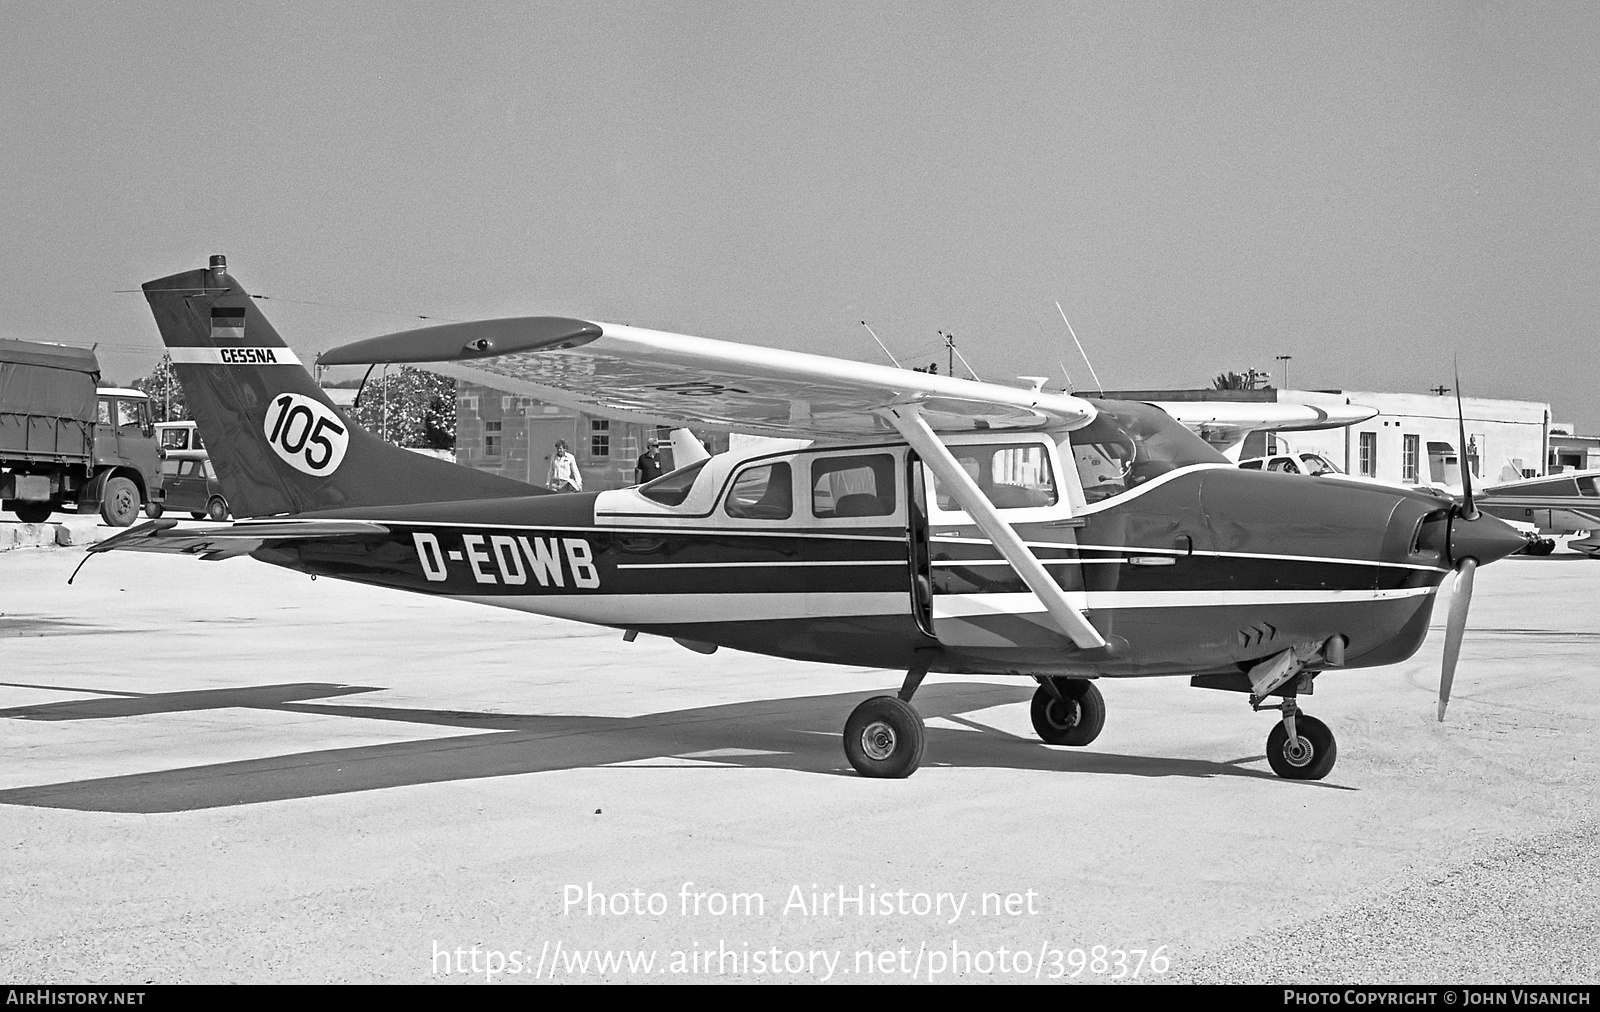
x: 1316, y: 464
x: 191, y: 484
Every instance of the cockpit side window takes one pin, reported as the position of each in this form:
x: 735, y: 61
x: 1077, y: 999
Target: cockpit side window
x: 1010, y: 475
x: 1129, y: 443
x: 672, y: 489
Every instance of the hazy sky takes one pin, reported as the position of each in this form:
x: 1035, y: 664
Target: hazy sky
x: 1370, y: 188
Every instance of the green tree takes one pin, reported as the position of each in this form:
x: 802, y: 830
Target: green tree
x: 1248, y: 380
x: 166, y: 393
x: 410, y: 407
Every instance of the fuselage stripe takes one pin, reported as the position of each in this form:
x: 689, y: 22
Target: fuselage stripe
x: 759, y: 565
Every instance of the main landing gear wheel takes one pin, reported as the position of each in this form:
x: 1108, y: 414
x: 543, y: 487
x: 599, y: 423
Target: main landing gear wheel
x: 1310, y: 757
x: 884, y: 737
x: 1075, y: 719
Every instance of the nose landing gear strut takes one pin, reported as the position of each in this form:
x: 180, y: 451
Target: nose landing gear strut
x: 1299, y: 747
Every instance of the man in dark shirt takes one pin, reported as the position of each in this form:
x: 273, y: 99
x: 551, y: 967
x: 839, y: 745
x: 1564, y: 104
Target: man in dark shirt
x: 649, y: 466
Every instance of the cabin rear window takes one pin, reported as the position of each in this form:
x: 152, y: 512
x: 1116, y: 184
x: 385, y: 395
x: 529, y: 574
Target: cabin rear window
x: 762, y: 493
x: 672, y: 489
x: 856, y: 486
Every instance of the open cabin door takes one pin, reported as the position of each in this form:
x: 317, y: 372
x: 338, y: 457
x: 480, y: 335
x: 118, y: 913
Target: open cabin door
x: 973, y: 596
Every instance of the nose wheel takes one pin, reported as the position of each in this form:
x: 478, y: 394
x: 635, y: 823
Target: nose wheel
x: 1300, y: 747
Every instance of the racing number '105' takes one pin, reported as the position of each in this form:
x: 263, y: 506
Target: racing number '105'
x: 306, y: 434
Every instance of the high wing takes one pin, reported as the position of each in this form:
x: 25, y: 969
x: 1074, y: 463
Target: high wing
x: 224, y: 542
x: 661, y: 378
x: 1225, y: 424
x: 673, y: 379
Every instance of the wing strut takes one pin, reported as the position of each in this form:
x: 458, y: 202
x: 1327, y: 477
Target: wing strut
x: 909, y: 422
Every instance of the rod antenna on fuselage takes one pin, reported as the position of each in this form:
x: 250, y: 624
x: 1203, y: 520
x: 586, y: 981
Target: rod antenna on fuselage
x: 1098, y: 385
x: 885, y: 348
x: 1070, y: 385
x: 1059, y: 364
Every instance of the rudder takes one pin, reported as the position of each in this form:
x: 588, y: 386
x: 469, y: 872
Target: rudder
x: 279, y: 445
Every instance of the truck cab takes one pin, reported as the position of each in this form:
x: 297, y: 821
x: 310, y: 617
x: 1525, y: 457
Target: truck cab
x: 178, y: 437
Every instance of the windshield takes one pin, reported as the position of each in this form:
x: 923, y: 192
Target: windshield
x: 672, y: 489
x: 1129, y: 443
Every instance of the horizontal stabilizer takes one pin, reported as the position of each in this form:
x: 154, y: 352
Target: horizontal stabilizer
x: 228, y: 540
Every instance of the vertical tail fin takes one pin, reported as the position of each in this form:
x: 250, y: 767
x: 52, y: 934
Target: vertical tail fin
x: 278, y: 443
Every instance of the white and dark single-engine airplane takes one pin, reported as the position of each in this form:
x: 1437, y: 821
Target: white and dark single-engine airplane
x: 1555, y: 504
x: 910, y: 521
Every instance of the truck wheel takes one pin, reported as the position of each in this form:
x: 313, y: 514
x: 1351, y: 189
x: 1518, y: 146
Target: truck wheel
x: 120, y: 503
x: 153, y: 510
x: 217, y: 509
x: 34, y: 512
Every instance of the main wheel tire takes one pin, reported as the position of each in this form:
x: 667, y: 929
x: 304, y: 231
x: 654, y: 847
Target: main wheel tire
x: 217, y: 509
x: 1078, y: 721
x: 153, y: 510
x: 884, y: 738
x: 34, y: 512
x: 1314, y: 757
x: 119, y: 505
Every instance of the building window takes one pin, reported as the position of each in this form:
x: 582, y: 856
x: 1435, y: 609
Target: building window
x: 1369, y: 454
x: 491, y: 439
x: 600, y: 438
x: 1410, y: 455
x: 469, y: 403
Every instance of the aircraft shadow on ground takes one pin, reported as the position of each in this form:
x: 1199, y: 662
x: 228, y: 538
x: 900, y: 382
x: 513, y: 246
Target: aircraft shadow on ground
x: 800, y: 733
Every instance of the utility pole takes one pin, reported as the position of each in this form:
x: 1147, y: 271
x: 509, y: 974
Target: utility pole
x: 950, y: 353
x: 1285, y: 360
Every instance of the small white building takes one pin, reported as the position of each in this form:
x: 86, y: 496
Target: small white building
x: 1414, y: 437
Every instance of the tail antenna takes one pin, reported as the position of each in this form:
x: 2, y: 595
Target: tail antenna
x: 1098, y: 385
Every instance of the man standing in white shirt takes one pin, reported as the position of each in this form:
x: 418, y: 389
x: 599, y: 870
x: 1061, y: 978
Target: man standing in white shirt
x: 564, y: 473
